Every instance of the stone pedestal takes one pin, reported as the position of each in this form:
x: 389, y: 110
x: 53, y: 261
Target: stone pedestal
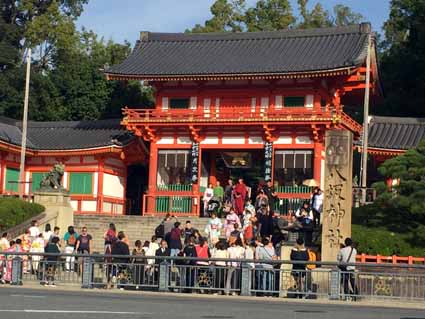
x: 337, y: 192
x: 59, y: 211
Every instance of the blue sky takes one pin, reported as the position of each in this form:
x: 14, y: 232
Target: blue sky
x: 121, y: 20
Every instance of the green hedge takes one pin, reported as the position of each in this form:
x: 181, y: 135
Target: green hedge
x: 14, y: 211
x: 380, y: 241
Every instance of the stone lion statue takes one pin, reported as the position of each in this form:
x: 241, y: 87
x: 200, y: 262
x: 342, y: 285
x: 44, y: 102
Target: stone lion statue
x: 52, y: 181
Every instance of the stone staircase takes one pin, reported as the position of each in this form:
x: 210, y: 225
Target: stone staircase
x: 135, y: 227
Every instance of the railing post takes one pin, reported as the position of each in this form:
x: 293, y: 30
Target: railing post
x: 246, y: 280
x: 88, y: 267
x: 16, y: 279
x: 163, y: 276
x: 334, y: 284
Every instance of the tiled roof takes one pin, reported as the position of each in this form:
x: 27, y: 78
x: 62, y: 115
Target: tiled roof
x: 63, y: 135
x: 277, y: 52
x: 395, y: 133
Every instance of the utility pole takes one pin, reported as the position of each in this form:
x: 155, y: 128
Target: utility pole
x: 366, y: 123
x: 24, y: 129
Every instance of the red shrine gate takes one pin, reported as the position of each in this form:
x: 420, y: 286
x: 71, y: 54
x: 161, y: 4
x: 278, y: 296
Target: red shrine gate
x: 242, y: 108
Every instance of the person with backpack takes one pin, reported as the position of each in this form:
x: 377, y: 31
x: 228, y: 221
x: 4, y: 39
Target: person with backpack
x: 51, y: 261
x: 70, y: 239
x: 110, y: 238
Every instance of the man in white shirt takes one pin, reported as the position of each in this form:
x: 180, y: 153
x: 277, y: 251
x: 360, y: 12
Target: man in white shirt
x: 347, y: 255
x: 317, y: 204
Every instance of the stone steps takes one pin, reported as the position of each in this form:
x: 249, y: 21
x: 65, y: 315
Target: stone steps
x: 135, y: 227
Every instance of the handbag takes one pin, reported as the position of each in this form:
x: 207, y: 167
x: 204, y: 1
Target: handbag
x: 344, y: 268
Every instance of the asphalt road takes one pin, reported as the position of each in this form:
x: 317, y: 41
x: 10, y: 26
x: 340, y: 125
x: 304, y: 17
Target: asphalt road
x: 18, y: 303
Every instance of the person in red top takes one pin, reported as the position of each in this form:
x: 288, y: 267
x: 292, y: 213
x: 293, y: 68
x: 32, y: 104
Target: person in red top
x: 203, y: 252
x: 240, y: 193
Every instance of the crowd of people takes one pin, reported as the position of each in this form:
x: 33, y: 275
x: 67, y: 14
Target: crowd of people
x: 250, y: 231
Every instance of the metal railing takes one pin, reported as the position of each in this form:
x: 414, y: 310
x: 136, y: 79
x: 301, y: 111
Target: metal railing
x: 219, y: 276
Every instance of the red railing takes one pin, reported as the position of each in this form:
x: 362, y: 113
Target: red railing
x: 378, y: 259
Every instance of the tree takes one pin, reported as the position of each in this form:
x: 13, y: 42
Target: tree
x: 269, y: 15
x: 227, y: 16
x: 403, y: 60
x: 402, y: 208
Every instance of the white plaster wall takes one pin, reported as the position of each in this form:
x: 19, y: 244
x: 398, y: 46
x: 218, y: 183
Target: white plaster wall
x: 95, y: 183
x: 166, y: 140
x: 233, y: 140
x: 107, y: 207
x: 113, y: 186
x: 184, y: 140
x: 303, y: 140
x: 88, y: 206
x: 255, y: 140
x: 74, y: 204
x: 27, y: 185
x: 118, y: 209
x: 283, y: 140
x: 210, y: 140
x: 65, y: 180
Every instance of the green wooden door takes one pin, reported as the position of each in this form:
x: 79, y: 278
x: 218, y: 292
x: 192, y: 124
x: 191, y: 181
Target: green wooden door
x: 36, y: 179
x: 81, y: 183
x: 12, y: 178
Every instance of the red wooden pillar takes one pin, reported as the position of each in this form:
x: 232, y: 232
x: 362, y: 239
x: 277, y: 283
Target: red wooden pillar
x: 153, y: 167
x: 101, y: 170
x: 317, y: 161
x: 213, y: 169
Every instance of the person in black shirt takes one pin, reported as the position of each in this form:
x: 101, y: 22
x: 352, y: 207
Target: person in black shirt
x: 190, y: 251
x: 299, y: 253
x: 271, y: 194
x: 120, y: 259
x: 189, y: 231
x: 51, y: 261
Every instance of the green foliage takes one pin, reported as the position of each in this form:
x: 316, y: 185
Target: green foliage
x: 227, y: 16
x: 403, y: 60
x: 400, y: 210
x: 379, y: 240
x: 14, y: 211
x: 269, y: 15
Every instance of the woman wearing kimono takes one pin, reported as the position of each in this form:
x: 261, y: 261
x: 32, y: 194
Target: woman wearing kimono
x: 239, y: 194
x: 231, y: 220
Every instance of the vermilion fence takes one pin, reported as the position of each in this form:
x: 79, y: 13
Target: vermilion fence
x: 410, y: 260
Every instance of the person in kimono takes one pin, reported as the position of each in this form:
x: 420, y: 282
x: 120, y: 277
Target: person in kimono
x: 231, y: 219
x: 213, y: 228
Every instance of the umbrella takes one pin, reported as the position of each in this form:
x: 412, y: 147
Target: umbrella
x: 310, y: 183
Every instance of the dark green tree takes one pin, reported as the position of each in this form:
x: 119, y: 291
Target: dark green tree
x: 402, y: 208
x: 403, y: 60
x: 269, y: 15
x: 227, y: 15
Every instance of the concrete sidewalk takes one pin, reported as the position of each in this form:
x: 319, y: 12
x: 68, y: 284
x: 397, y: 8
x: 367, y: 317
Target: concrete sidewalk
x: 383, y: 303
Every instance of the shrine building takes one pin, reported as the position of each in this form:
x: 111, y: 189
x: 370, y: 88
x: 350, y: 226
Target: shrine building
x: 227, y: 105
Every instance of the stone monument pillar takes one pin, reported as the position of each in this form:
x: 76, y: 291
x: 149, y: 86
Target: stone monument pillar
x: 55, y: 198
x: 337, y: 192
x: 59, y: 211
